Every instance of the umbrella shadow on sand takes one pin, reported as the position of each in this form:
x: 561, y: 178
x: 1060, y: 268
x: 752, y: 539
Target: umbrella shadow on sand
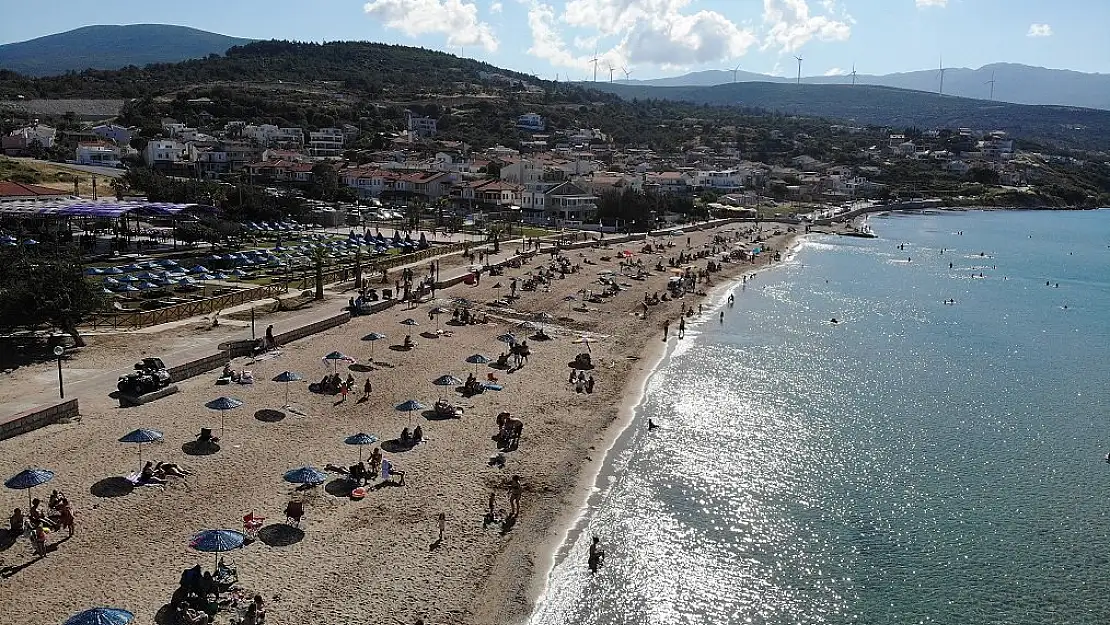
x: 339, y: 487
x: 197, y: 448
x: 395, y: 446
x: 268, y: 415
x: 357, y: 368
x: 114, y: 486
x: 280, y: 535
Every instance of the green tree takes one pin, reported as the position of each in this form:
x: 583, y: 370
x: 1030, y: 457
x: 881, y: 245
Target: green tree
x: 46, y: 289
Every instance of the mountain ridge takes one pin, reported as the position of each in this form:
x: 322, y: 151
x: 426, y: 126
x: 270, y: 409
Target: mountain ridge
x: 108, y: 46
x: 1014, y: 83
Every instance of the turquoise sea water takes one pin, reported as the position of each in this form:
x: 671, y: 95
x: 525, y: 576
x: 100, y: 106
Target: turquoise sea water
x: 916, y: 463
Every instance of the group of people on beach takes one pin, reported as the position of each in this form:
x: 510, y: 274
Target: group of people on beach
x: 38, y: 523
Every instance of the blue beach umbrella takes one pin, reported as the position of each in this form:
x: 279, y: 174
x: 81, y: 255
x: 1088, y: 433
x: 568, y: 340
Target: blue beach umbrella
x: 223, y: 404
x: 305, y: 475
x: 113, y: 271
x: 28, y: 479
x: 410, y: 407
x: 373, y: 337
x: 477, y: 359
x: 140, y: 436
x: 101, y: 616
x: 447, y: 380
x: 217, y: 542
x: 286, y: 377
x: 93, y: 271
x: 361, y: 439
x: 335, y: 357
x: 508, y: 338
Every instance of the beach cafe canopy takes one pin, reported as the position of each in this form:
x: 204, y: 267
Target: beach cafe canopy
x: 109, y: 209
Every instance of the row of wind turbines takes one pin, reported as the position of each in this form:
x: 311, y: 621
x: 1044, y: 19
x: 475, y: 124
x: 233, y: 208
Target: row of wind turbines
x: 736, y: 70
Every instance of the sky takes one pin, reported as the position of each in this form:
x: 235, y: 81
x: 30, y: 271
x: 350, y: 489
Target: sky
x: 645, y: 38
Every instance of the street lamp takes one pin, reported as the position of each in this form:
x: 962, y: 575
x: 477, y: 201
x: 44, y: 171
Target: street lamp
x: 58, y: 351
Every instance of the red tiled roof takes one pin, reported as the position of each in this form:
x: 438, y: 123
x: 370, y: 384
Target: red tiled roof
x: 19, y: 189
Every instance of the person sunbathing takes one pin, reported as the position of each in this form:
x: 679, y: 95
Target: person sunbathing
x: 170, y: 468
x: 150, y: 476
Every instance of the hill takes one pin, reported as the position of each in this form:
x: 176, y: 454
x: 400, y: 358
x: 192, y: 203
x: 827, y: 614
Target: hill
x: 899, y: 108
x: 1015, y: 83
x: 112, y: 47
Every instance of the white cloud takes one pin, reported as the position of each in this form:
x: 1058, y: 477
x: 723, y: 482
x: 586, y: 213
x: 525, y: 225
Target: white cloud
x: 655, y: 32
x: 496, y: 7
x: 924, y: 4
x: 1039, y: 30
x: 835, y: 71
x: 456, y: 19
x: 791, y: 26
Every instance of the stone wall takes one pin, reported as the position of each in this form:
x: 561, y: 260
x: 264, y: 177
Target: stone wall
x: 38, y: 417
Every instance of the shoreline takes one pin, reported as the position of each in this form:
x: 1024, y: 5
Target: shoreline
x: 634, y: 395
x: 479, y: 575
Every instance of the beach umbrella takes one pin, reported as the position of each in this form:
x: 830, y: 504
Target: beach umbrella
x: 223, y: 404
x: 543, y: 318
x: 217, y: 542
x: 198, y: 269
x: 131, y: 267
x: 305, y: 475
x: 110, y: 281
x: 361, y: 439
x: 113, y: 271
x: 286, y: 377
x: 140, y: 436
x: 508, y: 338
x: 335, y: 357
x: 477, y: 359
x: 410, y: 322
x: 447, y: 380
x: 127, y: 278
x: 93, y: 271
x: 373, y: 337
x: 28, y: 479
x: 146, y: 286
x: 169, y: 262
x: 127, y: 288
x: 101, y: 616
x: 436, y: 312
x: 410, y: 407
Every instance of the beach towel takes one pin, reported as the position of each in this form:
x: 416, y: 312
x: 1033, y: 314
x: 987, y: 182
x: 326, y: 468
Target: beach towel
x: 136, y: 480
x: 493, y: 387
x: 385, y: 469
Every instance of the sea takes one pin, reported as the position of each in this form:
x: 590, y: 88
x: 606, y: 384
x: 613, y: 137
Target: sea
x: 916, y: 462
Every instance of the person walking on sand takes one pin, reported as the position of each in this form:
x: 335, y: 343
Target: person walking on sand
x: 682, y: 328
x: 666, y: 330
x: 731, y: 299
x: 722, y: 316
x: 492, y: 501
x: 516, y: 490
x: 441, y: 521
x: 366, y: 388
x: 65, y: 517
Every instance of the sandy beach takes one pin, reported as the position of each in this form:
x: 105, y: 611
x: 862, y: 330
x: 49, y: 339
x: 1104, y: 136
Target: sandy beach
x: 371, y: 560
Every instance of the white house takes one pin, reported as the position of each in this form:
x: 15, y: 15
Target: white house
x: 39, y: 132
x: 164, y: 153
x: 118, y: 134
x: 421, y: 126
x: 326, y: 142
x: 269, y: 135
x: 97, y: 153
x: 530, y: 122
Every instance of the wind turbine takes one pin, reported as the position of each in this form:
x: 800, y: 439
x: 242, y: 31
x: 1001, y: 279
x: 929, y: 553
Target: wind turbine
x: 594, y: 61
x: 627, y: 73
x: 610, y: 72
x: 734, y: 72
x: 799, y: 69
x: 991, y: 83
x: 942, y: 70
x: 853, y: 74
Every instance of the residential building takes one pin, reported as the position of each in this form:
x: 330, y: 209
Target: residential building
x: 492, y: 192
x: 530, y: 122
x: 41, y: 133
x: 421, y: 126
x: 162, y: 153
x: 326, y: 142
x: 569, y: 204
x: 101, y: 153
x: 271, y: 135
x: 118, y: 134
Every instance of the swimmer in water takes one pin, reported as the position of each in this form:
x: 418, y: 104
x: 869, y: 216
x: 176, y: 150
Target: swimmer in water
x: 722, y: 316
x: 833, y: 320
x: 651, y: 425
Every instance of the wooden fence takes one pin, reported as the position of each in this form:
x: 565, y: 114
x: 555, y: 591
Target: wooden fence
x: 145, y: 318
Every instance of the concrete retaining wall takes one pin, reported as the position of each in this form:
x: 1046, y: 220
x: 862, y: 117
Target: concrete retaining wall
x: 192, y: 368
x: 312, y: 328
x: 38, y: 417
